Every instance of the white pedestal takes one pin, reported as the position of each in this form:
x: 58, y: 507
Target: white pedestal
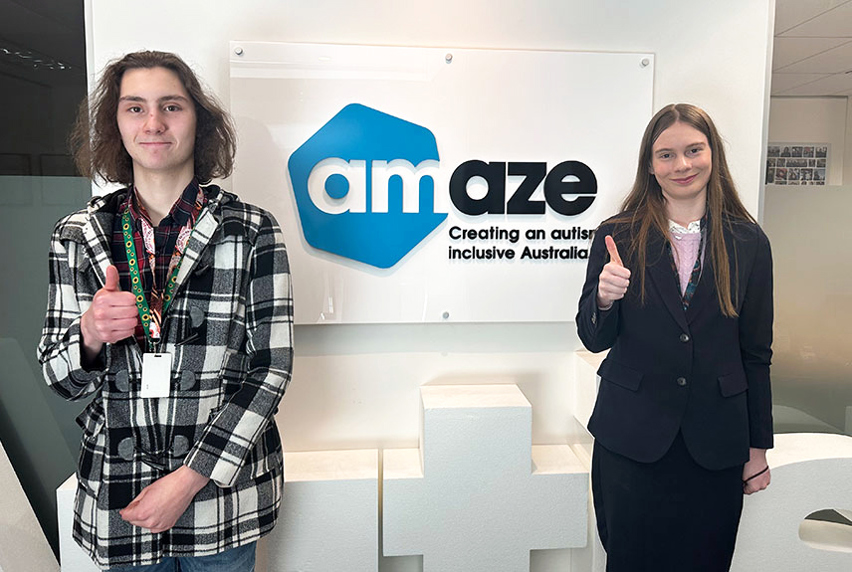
x: 328, y: 521
x: 330, y: 514
x: 586, y: 383
x: 476, y: 495
x: 71, y: 556
x: 22, y: 542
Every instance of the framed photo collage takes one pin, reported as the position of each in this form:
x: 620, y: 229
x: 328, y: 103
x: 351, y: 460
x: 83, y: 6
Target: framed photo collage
x: 797, y: 163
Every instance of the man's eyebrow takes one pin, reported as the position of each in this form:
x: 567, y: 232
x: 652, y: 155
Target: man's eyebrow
x: 160, y: 100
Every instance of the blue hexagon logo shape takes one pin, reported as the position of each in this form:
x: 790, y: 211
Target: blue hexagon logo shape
x: 364, y: 186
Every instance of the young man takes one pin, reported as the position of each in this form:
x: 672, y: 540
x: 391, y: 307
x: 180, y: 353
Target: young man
x: 170, y: 302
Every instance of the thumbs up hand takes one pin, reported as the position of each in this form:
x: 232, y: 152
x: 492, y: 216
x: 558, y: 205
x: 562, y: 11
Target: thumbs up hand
x: 614, y: 278
x: 111, y: 317
x: 112, y: 280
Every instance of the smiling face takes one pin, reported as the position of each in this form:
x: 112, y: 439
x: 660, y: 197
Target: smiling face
x: 156, y: 118
x: 681, y: 161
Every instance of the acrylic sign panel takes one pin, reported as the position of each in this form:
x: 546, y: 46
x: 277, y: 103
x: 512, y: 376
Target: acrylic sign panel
x: 432, y: 185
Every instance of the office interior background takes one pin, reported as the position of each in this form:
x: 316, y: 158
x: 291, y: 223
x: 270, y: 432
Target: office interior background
x: 771, y: 74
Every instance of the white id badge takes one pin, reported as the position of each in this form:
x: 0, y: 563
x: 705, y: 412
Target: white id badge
x: 156, y: 375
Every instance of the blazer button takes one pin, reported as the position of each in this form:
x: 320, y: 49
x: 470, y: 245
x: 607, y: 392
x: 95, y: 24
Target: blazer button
x: 684, y: 338
x: 681, y: 381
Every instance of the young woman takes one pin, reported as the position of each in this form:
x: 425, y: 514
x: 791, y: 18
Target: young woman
x: 679, y: 288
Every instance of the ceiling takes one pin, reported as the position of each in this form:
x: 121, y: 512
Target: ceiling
x: 812, y: 54
x: 813, y: 48
x: 43, y: 41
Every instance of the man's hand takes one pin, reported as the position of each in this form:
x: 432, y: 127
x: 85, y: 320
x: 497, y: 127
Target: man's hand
x: 756, y: 474
x: 111, y: 317
x: 159, y: 506
x: 614, y: 278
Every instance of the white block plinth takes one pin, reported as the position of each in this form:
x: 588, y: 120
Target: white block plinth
x: 477, y: 496
x: 810, y: 472
x: 586, y: 382
x: 329, y: 518
x: 71, y: 556
x: 328, y: 521
x: 22, y: 542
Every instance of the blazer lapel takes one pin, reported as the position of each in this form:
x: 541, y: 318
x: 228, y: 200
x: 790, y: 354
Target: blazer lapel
x: 662, y: 275
x: 705, y: 292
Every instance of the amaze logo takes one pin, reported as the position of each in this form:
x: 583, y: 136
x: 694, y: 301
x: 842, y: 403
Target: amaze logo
x: 365, y: 186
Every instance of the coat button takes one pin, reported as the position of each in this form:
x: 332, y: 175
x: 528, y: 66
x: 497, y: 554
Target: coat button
x: 125, y: 449
x: 180, y: 446
x: 122, y: 381
x: 684, y: 338
x: 196, y: 317
x: 187, y: 380
x: 681, y: 381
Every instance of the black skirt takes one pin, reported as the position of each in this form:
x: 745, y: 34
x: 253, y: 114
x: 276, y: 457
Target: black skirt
x: 669, y: 516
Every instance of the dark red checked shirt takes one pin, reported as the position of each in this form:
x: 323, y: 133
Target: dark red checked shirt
x: 165, y: 238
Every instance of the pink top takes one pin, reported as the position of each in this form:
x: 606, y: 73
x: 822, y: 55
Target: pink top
x: 685, y: 246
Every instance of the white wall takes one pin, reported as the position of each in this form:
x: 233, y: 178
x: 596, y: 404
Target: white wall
x: 812, y: 120
x: 357, y: 386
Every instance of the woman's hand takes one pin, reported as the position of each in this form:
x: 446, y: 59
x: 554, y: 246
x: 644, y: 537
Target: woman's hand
x: 756, y: 473
x: 614, y: 278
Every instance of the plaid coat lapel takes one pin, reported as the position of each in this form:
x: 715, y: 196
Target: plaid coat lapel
x: 97, y: 234
x: 202, y: 233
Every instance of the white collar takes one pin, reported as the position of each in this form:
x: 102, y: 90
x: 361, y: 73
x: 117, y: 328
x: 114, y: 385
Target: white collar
x: 692, y: 228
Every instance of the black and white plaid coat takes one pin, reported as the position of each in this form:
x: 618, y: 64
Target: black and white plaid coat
x: 229, y: 330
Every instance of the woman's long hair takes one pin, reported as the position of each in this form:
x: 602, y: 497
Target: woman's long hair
x: 96, y: 140
x: 643, y: 212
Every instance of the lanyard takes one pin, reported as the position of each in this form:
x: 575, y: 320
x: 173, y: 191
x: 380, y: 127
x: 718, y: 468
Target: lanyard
x: 136, y: 281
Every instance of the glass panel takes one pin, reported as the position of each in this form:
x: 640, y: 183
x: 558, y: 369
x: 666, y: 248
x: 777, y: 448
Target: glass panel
x: 42, y: 81
x: 37, y: 427
x: 812, y: 365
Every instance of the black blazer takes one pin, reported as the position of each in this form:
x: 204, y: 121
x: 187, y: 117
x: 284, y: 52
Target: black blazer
x: 696, y: 371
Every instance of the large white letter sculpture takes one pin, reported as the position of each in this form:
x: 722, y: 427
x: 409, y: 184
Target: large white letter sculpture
x: 468, y: 498
x: 810, y: 472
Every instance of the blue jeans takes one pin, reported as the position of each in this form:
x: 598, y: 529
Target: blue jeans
x: 240, y: 559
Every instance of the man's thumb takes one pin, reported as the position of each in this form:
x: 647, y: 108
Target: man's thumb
x: 112, y: 283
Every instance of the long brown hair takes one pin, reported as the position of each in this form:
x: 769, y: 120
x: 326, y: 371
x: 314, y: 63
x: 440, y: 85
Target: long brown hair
x: 643, y: 212
x: 96, y: 140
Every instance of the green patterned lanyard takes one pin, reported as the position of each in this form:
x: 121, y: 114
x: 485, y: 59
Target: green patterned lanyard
x: 136, y: 282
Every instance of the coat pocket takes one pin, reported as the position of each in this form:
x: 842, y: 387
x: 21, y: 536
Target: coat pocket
x: 618, y: 374
x: 732, y: 383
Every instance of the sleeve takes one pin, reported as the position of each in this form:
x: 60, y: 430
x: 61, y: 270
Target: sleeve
x: 755, y: 324
x: 597, y: 329
x: 224, y: 444
x: 60, y: 349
